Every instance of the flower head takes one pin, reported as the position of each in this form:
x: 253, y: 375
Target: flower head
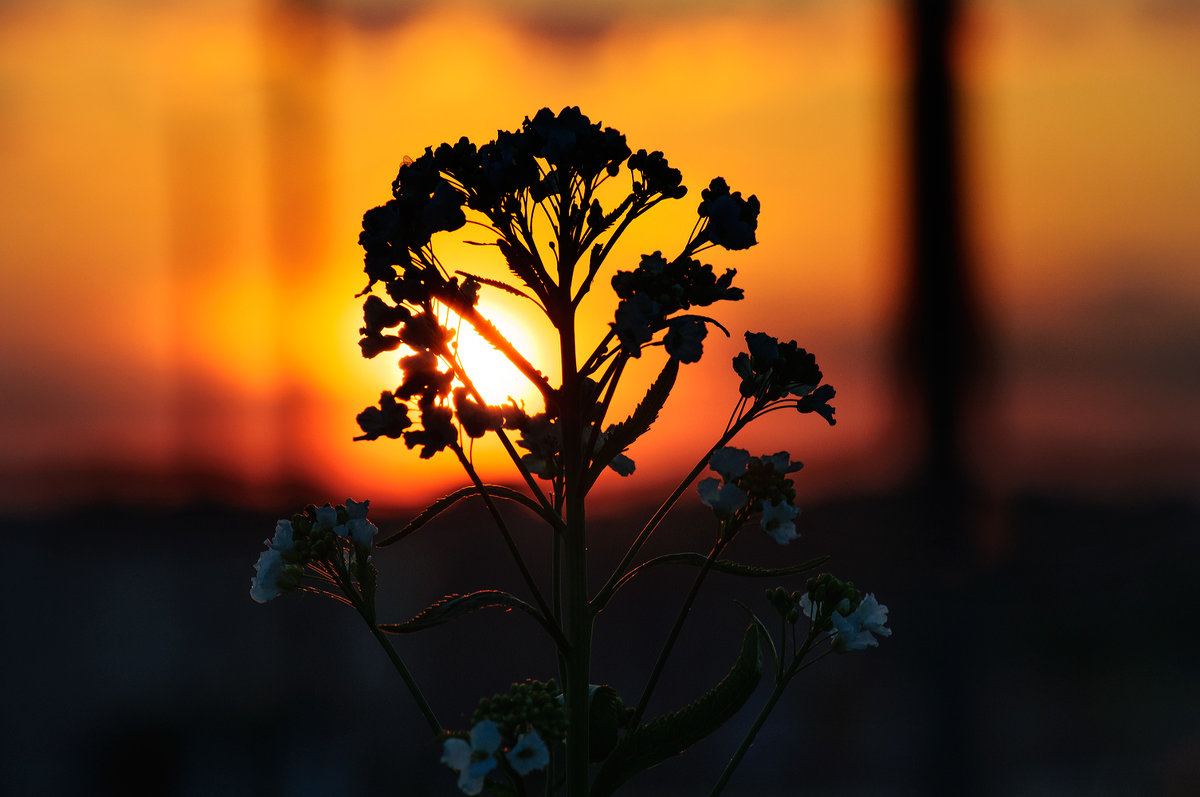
x: 275, y: 574
x: 778, y: 520
x: 473, y: 761
x: 731, y: 219
x: 357, y: 528
x: 856, y: 630
x: 749, y: 483
x: 529, y: 753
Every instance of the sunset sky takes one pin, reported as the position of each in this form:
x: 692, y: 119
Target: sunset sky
x: 183, y: 186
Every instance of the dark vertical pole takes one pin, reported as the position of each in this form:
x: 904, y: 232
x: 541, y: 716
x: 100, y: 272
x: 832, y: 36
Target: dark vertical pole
x: 940, y: 338
x: 940, y: 365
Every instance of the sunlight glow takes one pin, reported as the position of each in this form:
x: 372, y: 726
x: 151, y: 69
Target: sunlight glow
x: 494, y: 376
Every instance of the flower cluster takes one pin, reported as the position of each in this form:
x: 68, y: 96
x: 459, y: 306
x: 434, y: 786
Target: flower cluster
x: 656, y: 289
x: 772, y: 370
x: 542, y: 438
x: 312, y: 535
x: 532, y: 704
x: 851, y: 618
x: 731, y: 220
x: 750, y: 484
x: 474, y: 759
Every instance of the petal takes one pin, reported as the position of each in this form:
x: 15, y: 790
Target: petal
x: 729, y: 462
x: 326, y: 518
x: 529, y: 753
x: 485, y: 736
x: 356, y: 509
x: 456, y: 754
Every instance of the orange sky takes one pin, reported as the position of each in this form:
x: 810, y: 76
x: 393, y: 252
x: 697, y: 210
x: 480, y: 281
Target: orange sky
x: 183, y: 188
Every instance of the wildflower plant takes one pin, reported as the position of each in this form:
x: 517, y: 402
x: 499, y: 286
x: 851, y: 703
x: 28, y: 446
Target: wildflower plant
x: 535, y: 195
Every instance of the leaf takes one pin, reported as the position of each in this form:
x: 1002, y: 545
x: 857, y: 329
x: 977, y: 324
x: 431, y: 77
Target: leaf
x: 621, y: 435
x: 762, y: 629
x: 523, y: 266
x: 504, y: 286
x: 670, y: 735
x: 452, y: 607
x: 722, y: 566
x: 445, y: 502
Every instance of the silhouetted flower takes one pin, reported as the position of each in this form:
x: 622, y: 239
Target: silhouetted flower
x: 772, y: 370
x: 389, y: 419
x: 731, y: 219
x: 656, y: 289
x: 657, y: 177
x: 423, y: 378
x: 685, y: 339
x: 437, y: 431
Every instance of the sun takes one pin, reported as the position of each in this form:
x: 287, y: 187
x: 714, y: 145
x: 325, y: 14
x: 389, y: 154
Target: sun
x: 494, y: 376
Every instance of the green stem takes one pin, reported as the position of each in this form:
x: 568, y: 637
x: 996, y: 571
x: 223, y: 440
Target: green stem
x: 343, y: 580
x: 749, y: 740
x: 578, y: 613
x: 680, y: 619
x: 606, y: 591
x: 543, y: 607
x: 422, y: 703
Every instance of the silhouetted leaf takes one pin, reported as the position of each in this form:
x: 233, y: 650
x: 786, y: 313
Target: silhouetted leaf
x: 621, y: 435
x: 504, y: 286
x: 670, y: 735
x: 452, y: 607
x: 523, y: 266
x: 722, y: 566
x: 442, y: 504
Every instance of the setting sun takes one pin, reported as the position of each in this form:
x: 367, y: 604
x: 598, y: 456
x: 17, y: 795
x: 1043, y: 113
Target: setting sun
x: 494, y: 376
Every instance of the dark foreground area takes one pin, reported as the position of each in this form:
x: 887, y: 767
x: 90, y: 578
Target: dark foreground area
x: 1062, y: 660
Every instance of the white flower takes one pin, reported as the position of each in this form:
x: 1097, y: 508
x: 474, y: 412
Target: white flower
x: 360, y: 530
x: 473, y: 761
x: 777, y: 520
x: 782, y: 462
x: 326, y: 518
x: 730, y: 462
x: 270, y: 565
x: 529, y: 753
x: 724, y: 498
x: 855, y: 631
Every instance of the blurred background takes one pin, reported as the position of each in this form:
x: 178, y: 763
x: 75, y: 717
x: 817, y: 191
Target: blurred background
x: 979, y: 215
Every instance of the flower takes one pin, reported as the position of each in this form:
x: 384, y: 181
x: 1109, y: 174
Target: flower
x: 473, y: 761
x: 730, y: 462
x: 389, y: 419
x: 360, y: 530
x: 529, y: 753
x: 725, y: 499
x: 273, y: 578
x: 777, y: 520
x: 855, y: 631
x: 731, y: 219
x: 326, y: 518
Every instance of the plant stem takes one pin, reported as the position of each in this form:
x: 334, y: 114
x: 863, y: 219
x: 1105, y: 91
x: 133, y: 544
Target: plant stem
x: 543, y: 607
x: 680, y: 619
x: 780, y: 685
x: 422, y: 703
x: 578, y: 612
x: 606, y: 591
